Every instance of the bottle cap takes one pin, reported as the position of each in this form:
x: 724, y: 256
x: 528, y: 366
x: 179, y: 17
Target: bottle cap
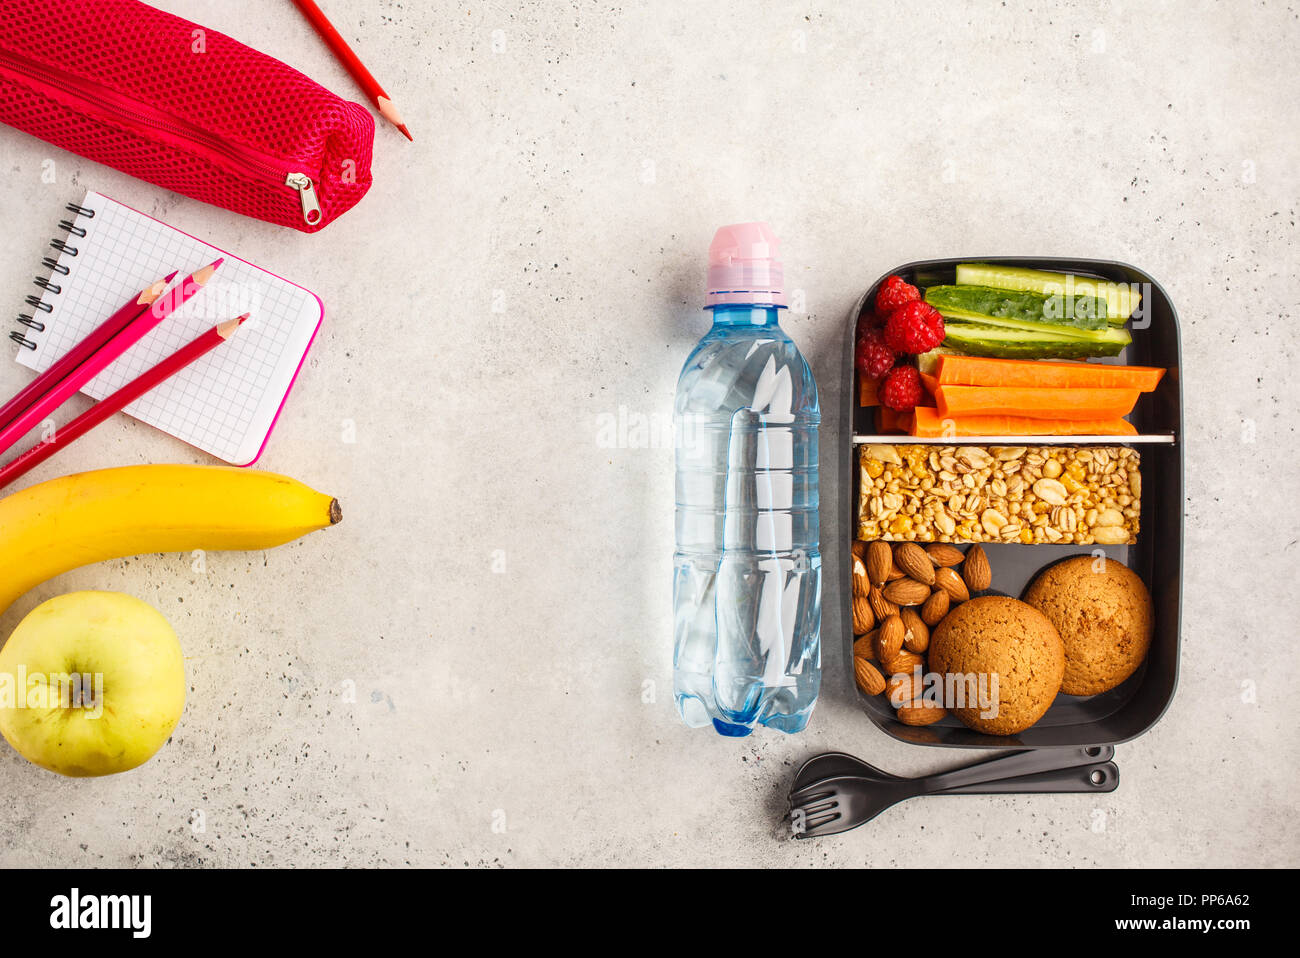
x: 745, y: 266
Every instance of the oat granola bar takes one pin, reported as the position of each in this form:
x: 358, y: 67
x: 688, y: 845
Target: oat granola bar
x: 1028, y: 494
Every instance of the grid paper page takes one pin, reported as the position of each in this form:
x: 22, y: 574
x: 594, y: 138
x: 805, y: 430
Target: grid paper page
x: 227, y: 402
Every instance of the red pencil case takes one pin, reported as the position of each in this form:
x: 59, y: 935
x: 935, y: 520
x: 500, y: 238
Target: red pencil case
x: 182, y: 107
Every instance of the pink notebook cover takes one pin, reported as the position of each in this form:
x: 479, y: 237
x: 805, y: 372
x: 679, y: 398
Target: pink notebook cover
x: 227, y: 403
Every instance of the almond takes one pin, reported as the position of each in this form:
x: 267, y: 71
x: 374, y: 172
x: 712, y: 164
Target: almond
x: 869, y: 678
x: 860, y: 584
x: 864, y: 646
x: 859, y: 549
x: 951, y: 582
x: 903, y: 689
x: 935, y: 608
x: 921, y: 713
x: 903, y: 663
x: 942, y: 554
x: 912, y: 559
x: 863, y: 616
x: 975, y: 570
x: 880, y: 605
x: 916, y: 634
x: 889, y: 640
x: 907, y: 591
x: 894, y: 574
x: 880, y: 562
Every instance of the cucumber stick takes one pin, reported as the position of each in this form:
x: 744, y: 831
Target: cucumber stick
x: 1050, y: 330
x: 1019, y: 309
x: 1121, y: 298
x: 928, y: 363
x: 1001, y: 342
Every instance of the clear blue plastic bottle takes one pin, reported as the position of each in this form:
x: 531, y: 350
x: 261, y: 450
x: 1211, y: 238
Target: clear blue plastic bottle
x: 747, y: 570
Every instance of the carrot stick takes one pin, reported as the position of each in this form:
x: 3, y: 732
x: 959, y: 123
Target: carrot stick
x: 931, y: 384
x: 929, y: 424
x: 1035, y: 402
x: 891, y: 421
x: 980, y: 371
x: 867, y: 391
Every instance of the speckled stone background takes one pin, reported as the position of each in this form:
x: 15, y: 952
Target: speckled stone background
x: 530, y: 269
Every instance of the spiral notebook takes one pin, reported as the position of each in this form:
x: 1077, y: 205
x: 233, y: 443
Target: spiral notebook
x: 227, y: 403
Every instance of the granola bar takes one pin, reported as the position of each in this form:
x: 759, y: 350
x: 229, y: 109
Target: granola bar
x: 1028, y: 494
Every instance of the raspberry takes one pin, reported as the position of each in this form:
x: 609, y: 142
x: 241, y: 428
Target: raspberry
x: 902, y: 389
x: 871, y: 320
x: 874, y: 358
x: 895, y: 292
x: 914, y: 327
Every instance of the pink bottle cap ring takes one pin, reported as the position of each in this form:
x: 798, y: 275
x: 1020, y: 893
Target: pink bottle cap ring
x: 745, y: 267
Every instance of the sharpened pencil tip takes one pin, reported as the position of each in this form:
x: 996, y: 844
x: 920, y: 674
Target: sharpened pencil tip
x: 151, y: 295
x: 205, y: 274
x: 406, y: 133
x: 227, y: 329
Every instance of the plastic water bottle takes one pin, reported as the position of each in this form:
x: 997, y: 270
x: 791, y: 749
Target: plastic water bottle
x: 747, y: 570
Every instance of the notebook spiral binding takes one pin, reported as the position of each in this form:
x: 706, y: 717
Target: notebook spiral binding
x: 47, y: 284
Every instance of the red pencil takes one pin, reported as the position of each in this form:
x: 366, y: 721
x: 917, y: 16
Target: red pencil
x: 104, y: 357
x: 79, y: 353
x: 128, y: 394
x: 383, y: 102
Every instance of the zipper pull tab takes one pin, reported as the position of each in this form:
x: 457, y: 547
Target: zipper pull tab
x: 307, y: 193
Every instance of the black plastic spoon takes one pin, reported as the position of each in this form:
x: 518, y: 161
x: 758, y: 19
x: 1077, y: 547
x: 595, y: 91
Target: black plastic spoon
x: 835, y: 792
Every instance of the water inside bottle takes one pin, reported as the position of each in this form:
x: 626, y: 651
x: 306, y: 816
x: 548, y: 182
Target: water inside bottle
x: 747, y: 579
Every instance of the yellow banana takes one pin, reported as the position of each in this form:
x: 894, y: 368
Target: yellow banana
x: 66, y: 523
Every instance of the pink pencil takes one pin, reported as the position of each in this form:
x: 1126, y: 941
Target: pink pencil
x: 103, y: 357
x: 128, y: 394
x: 79, y: 353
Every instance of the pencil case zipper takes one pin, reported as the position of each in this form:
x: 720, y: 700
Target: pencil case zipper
x: 241, y: 160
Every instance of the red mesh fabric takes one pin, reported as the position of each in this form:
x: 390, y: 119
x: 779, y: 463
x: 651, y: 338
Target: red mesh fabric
x: 96, y: 61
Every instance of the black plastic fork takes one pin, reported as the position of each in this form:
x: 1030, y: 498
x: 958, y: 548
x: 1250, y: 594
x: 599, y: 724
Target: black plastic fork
x: 835, y: 792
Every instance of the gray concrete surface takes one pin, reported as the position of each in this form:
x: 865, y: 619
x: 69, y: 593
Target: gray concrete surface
x: 498, y: 594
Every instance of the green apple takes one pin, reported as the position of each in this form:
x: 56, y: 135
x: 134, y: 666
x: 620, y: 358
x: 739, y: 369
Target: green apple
x: 91, y: 683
